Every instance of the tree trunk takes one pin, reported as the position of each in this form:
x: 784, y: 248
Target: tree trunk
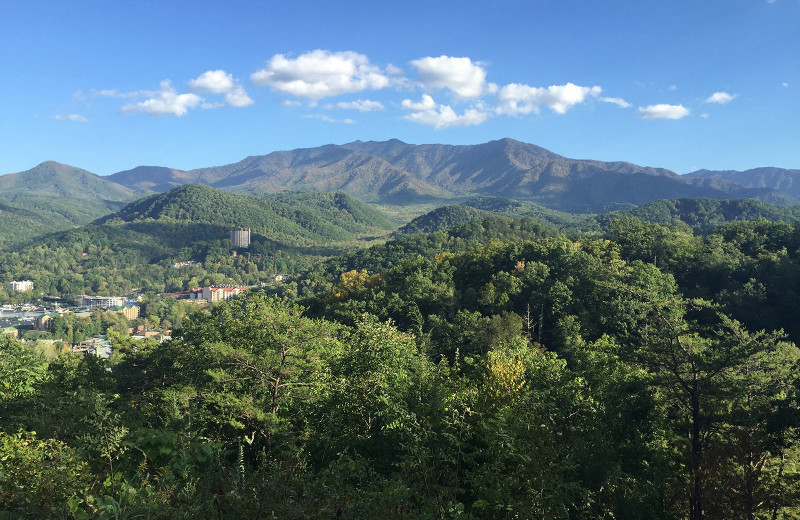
x: 696, y: 502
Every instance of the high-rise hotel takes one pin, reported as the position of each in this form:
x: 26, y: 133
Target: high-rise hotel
x: 240, y: 238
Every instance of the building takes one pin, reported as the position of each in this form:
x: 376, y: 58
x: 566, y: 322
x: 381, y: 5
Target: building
x: 95, y: 302
x: 24, y: 285
x: 215, y: 293
x: 130, y: 311
x: 45, y: 321
x: 178, y: 265
x: 240, y: 238
x: 97, y: 346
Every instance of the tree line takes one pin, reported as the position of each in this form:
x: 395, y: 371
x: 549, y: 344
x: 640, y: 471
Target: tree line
x: 647, y: 373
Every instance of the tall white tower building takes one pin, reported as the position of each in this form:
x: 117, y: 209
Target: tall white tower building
x: 240, y: 238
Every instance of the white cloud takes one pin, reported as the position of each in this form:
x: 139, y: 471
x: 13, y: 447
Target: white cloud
x: 238, y: 97
x: 362, y: 105
x: 77, y: 118
x: 785, y: 84
x: 289, y: 103
x: 428, y: 113
x: 427, y: 103
x: 704, y: 116
x: 328, y: 119
x: 617, y: 101
x: 460, y: 75
x: 319, y: 74
x: 210, y: 106
x: 523, y: 99
x: 391, y: 70
x: 215, y: 81
x: 720, y: 97
x: 220, y: 82
x: 663, y: 111
x: 165, y: 102
x: 673, y: 87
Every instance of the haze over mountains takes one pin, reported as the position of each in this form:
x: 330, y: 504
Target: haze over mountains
x: 779, y: 179
x: 396, y: 173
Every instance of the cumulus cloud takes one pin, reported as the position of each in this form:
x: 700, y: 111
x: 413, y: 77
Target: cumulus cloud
x: 362, y: 105
x: 77, y: 118
x: 704, y: 116
x: 237, y: 97
x: 319, y: 74
x: 426, y: 103
x: 216, y: 81
x: 663, y: 111
x: 427, y: 112
x: 460, y: 75
x: 785, y: 84
x: 220, y: 82
x: 615, y: 100
x: 720, y: 97
x: 165, y: 102
x: 515, y: 99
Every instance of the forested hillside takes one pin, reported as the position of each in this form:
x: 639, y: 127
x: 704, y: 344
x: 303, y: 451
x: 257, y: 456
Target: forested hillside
x: 26, y: 218
x: 136, y: 247
x: 700, y: 214
x: 504, y: 371
x: 703, y: 215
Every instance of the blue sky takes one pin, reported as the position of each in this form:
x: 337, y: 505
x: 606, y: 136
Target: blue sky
x: 110, y: 85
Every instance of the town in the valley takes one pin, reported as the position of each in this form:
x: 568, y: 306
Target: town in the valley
x: 50, y: 322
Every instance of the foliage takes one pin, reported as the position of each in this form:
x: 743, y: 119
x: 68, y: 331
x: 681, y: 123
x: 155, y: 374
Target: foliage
x: 38, y: 477
x: 497, y: 370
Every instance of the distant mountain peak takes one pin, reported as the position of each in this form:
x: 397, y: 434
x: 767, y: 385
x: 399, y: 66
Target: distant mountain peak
x: 54, y: 179
x: 396, y: 172
x: 768, y: 177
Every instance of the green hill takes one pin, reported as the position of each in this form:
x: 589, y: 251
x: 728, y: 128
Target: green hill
x: 703, y: 214
x: 206, y: 213
x: 446, y: 217
x: 136, y: 247
x: 28, y: 217
x: 441, y: 219
x: 521, y: 208
x: 456, y: 239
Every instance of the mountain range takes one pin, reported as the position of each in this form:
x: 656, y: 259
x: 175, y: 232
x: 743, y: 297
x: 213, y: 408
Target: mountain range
x: 56, y: 196
x: 396, y: 172
x: 778, y: 179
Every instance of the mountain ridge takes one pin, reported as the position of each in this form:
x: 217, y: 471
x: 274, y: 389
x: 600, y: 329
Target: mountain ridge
x: 784, y: 180
x: 55, y: 179
x: 395, y: 172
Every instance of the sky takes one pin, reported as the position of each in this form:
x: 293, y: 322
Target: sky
x: 110, y: 85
